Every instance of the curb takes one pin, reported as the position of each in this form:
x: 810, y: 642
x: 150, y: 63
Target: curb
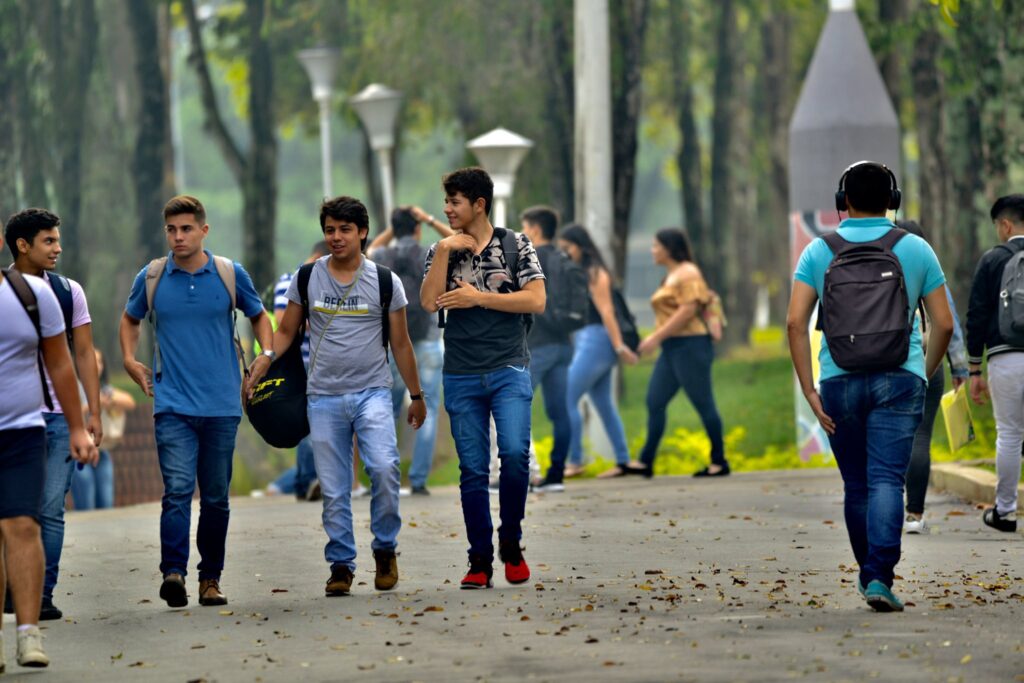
x: 973, y: 483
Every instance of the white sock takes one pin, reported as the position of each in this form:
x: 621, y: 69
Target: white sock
x: 25, y: 627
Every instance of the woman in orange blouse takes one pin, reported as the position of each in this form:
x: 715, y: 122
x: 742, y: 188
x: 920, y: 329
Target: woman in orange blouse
x: 684, y: 333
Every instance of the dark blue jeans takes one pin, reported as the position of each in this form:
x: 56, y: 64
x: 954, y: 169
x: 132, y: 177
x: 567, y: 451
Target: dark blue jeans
x: 684, y: 363
x: 549, y: 367
x: 471, y: 400
x: 191, y: 450
x: 59, y: 469
x: 876, y: 415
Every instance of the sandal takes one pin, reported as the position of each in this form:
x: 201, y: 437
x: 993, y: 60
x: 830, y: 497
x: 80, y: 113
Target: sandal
x: 573, y: 471
x: 706, y: 472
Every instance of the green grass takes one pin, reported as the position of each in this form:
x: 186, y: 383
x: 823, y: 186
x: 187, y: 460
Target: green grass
x: 754, y: 392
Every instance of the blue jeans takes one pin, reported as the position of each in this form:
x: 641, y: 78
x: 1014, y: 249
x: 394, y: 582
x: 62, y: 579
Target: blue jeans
x: 471, y: 400
x: 297, y: 479
x: 58, y: 480
x: 684, y: 363
x: 876, y: 415
x: 92, y: 488
x: 332, y: 421
x: 549, y: 367
x: 590, y: 373
x: 194, y: 450
x: 429, y: 358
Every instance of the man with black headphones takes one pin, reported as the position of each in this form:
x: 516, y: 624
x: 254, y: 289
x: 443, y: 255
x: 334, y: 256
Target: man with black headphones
x: 869, y: 277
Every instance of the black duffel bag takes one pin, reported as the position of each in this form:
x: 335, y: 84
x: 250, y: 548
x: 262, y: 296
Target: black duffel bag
x: 277, y: 409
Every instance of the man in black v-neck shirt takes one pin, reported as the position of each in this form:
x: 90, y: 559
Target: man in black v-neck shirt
x: 487, y: 302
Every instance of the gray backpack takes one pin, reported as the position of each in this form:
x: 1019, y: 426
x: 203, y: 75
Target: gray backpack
x: 1011, y: 296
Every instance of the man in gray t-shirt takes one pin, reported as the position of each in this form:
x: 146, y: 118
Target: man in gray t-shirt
x: 349, y: 387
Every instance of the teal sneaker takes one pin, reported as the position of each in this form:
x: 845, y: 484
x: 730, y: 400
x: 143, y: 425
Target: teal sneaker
x: 881, y: 599
x: 860, y: 588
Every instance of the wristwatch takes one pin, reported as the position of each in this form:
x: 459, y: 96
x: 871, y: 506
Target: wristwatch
x: 974, y: 373
x: 430, y: 220
x: 269, y: 353
x: 417, y: 397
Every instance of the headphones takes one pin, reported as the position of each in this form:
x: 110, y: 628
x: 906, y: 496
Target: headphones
x: 895, y: 196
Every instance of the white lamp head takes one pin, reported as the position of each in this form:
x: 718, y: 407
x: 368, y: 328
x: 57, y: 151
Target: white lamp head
x: 377, y: 107
x: 321, y: 64
x: 841, y: 5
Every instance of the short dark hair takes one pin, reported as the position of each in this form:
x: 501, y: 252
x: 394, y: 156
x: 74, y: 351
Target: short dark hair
x: 26, y: 224
x: 544, y: 217
x: 473, y: 182
x: 403, y: 223
x: 676, y: 243
x: 868, y: 188
x: 184, y: 203
x: 320, y: 249
x: 347, y: 210
x: 1010, y: 207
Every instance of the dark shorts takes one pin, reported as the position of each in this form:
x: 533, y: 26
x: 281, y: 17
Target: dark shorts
x: 22, y: 472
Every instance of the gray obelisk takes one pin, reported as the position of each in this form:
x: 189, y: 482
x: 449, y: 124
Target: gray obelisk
x: 844, y: 115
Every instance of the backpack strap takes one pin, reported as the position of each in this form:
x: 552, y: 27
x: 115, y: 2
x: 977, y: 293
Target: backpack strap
x: 30, y: 303
x: 154, y: 271
x: 510, y: 250
x: 226, y: 270
x: 387, y: 290
x: 305, y: 270
x: 62, y: 289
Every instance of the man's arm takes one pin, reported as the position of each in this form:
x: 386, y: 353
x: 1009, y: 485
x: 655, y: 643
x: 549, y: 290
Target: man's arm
x: 436, y: 280
x: 801, y: 305
x: 381, y: 240
x: 979, y: 315
x: 262, y: 329
x: 941, y: 329
x: 530, y: 299
x: 62, y: 375
x: 439, y: 227
x: 128, y: 334
x: 405, y: 359
x: 279, y: 341
x: 89, y: 375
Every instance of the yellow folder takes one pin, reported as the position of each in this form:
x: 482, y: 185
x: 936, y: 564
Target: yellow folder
x: 956, y: 412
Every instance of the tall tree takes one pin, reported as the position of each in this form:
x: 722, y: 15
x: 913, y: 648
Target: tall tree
x: 722, y: 269
x: 688, y: 157
x: 8, y: 75
x: 153, y: 160
x: 628, y: 28
x: 255, y: 168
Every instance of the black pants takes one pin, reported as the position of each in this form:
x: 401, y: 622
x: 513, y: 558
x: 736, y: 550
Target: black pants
x: 685, y: 362
x: 920, y: 467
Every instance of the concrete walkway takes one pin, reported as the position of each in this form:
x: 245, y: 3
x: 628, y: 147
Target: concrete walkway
x: 746, y: 578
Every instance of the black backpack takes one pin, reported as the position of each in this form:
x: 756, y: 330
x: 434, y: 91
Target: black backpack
x: 864, y: 311
x: 407, y: 263
x: 627, y: 321
x: 277, y: 409
x: 567, y: 293
x: 27, y: 298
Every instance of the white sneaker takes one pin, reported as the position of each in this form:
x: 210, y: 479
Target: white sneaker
x: 915, y: 525
x: 404, y: 492
x: 360, y: 491
x: 30, y: 648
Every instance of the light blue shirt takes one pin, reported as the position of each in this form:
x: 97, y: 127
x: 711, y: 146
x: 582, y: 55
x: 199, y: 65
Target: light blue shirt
x: 921, y: 272
x: 200, y: 368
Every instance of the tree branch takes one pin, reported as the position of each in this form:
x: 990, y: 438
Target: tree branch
x: 214, y: 121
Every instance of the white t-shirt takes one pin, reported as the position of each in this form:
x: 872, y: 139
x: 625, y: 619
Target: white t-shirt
x: 22, y: 397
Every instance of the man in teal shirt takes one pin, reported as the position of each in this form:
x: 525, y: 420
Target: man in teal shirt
x: 870, y: 417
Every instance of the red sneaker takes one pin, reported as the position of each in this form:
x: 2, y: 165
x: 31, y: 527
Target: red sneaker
x: 516, y: 569
x: 479, y: 574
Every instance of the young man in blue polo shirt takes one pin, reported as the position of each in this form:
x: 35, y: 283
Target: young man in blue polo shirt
x: 871, y: 416
x: 196, y: 390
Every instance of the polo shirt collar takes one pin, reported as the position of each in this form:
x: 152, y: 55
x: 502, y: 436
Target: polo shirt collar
x: 873, y: 222
x: 172, y: 266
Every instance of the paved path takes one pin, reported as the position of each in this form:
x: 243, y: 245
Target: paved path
x: 746, y: 578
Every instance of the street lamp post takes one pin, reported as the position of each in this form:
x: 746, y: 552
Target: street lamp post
x: 377, y: 107
x: 500, y: 152
x: 320, y: 64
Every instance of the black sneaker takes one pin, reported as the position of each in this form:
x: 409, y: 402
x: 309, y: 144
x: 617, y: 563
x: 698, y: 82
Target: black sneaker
x: 545, y: 485
x: 172, y: 590
x: 420, y: 491
x: 48, y: 611
x: 1007, y: 523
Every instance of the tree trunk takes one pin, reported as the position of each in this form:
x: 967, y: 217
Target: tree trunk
x: 260, y: 189
x: 559, y: 96
x: 153, y: 147
x: 929, y: 112
x: 8, y: 76
x: 688, y: 157
x: 628, y: 27
x: 721, y: 271
x: 893, y: 13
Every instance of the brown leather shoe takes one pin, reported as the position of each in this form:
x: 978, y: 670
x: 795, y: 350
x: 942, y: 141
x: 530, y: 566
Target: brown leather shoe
x: 340, y: 582
x: 173, y: 592
x: 209, y: 593
x: 387, y: 570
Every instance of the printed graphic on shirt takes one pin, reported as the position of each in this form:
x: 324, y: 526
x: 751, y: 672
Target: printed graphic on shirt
x: 488, y: 271
x: 333, y: 305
